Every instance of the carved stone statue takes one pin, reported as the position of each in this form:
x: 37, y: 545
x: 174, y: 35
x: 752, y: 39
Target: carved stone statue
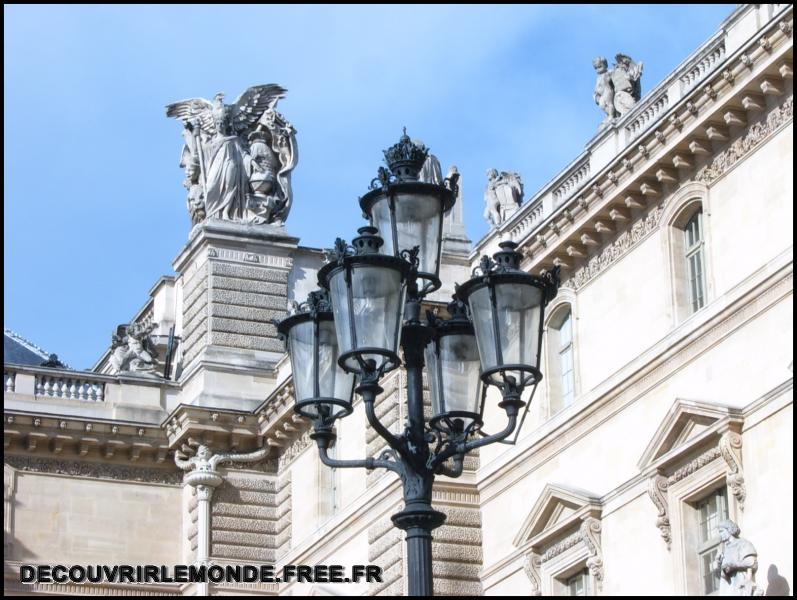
x: 604, y: 92
x: 132, y: 350
x: 205, y: 461
x: 237, y: 157
x: 618, y: 89
x: 737, y: 563
x: 626, y: 76
x: 431, y: 172
x: 502, y: 196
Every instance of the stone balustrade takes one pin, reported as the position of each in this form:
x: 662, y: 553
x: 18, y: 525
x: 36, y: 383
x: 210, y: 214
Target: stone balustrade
x: 73, y: 388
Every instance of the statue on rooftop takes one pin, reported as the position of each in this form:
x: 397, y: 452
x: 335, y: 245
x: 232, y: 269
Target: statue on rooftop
x: 604, y: 93
x: 132, y: 350
x: 626, y: 76
x: 618, y: 89
x: 237, y: 157
x: 502, y: 196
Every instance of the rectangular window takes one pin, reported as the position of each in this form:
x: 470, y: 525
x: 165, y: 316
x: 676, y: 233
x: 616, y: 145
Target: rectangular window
x: 578, y: 584
x: 710, y: 511
x: 694, y: 250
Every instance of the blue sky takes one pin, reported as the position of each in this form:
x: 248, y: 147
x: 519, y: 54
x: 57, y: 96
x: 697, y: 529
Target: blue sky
x: 94, y: 209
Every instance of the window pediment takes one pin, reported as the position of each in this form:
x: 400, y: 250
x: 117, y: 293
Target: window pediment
x: 558, y: 510
x: 689, y: 425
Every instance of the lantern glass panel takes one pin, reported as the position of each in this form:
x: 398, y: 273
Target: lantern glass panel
x: 515, y: 320
x: 453, y: 362
x: 368, y: 312
x: 300, y: 342
x: 418, y: 223
x: 333, y: 382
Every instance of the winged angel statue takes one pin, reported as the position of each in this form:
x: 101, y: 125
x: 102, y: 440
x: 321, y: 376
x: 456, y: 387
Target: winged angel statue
x: 502, y: 196
x: 237, y: 157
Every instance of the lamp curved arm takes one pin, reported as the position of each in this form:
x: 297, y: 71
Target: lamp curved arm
x: 459, y: 447
x: 497, y: 437
x: 368, y: 463
x: 369, y: 397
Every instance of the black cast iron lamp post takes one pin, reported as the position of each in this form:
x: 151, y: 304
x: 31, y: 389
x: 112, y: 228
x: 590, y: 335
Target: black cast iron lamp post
x: 493, y: 335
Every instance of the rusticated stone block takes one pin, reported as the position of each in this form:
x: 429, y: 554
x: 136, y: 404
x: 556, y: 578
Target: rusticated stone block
x: 249, y: 272
x: 245, y: 327
x: 457, y: 552
x: 277, y: 293
x: 242, y: 552
x: 244, y: 510
x: 244, y: 342
x: 237, y: 524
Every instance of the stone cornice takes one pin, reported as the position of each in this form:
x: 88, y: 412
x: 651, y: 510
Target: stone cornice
x: 83, y: 438
x: 222, y: 429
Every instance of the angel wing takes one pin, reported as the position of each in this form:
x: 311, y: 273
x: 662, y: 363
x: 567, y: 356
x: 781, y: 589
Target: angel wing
x: 189, y: 111
x: 250, y: 105
x: 515, y: 184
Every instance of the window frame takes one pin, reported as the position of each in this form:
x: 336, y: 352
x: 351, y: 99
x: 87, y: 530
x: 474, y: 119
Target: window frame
x: 691, y: 198
x: 564, y: 309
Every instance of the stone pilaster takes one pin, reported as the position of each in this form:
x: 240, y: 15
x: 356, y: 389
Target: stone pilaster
x: 234, y: 281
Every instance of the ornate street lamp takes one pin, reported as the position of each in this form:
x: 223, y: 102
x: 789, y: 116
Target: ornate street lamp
x: 367, y: 291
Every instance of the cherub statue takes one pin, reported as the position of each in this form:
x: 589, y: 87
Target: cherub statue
x: 226, y: 178
x: 618, y: 89
x: 604, y: 93
x: 737, y: 563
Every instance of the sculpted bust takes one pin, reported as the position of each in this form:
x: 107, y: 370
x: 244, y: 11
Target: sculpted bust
x: 737, y: 563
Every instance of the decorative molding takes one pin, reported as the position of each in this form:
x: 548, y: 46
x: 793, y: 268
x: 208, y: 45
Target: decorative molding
x: 730, y: 446
x: 562, y: 545
x: 531, y: 566
x: 657, y: 490
x: 693, y: 465
x: 75, y: 468
x: 294, y: 450
x: 590, y: 534
x: 755, y: 136
x: 268, y: 260
x: 616, y: 250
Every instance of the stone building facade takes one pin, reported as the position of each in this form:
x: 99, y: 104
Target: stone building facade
x: 667, y: 403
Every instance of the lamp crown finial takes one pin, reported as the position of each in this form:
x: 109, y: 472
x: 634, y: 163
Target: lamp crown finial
x: 405, y: 159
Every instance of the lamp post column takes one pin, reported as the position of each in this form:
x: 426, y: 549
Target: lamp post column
x: 418, y: 519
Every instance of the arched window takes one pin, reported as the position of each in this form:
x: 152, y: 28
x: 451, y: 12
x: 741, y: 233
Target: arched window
x: 687, y: 226
x: 694, y: 254
x: 561, y: 362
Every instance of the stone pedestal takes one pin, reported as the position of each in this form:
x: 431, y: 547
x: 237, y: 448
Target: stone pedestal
x: 233, y: 279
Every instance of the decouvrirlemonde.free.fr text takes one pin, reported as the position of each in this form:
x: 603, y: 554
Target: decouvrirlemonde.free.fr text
x: 199, y: 574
